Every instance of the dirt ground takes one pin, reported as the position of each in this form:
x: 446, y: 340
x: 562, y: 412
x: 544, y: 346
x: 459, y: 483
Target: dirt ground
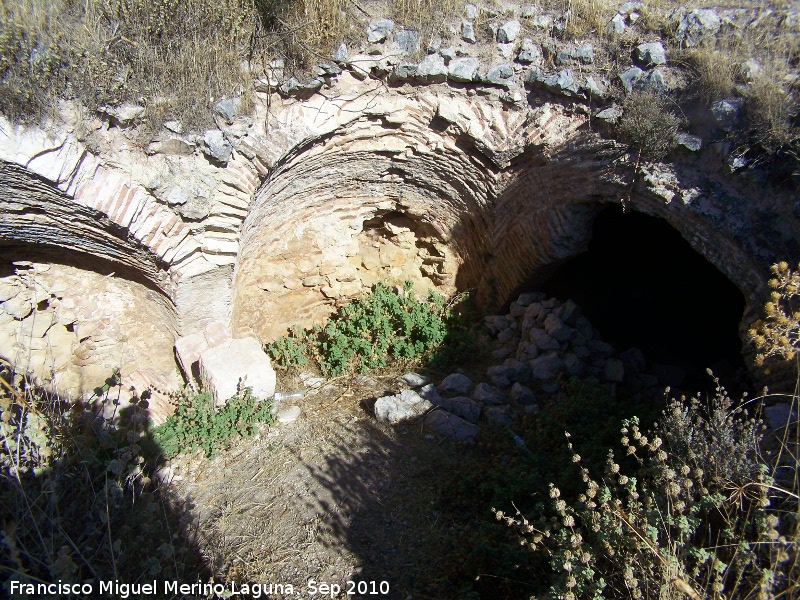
x: 333, y: 497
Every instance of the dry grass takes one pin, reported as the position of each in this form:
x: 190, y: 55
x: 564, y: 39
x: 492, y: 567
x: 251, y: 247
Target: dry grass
x: 305, y: 31
x: 771, y: 111
x: 713, y: 72
x: 426, y: 16
x: 175, y: 57
x: 588, y: 17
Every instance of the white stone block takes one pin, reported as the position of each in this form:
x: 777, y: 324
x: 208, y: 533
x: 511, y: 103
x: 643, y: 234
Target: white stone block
x: 223, y: 367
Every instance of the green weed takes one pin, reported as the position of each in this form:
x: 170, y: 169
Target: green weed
x: 198, y: 423
x: 386, y: 324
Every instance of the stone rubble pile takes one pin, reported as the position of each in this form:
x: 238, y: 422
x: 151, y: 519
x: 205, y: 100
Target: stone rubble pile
x: 527, y: 52
x: 540, y: 342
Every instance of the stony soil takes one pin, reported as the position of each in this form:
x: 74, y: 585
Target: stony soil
x: 334, y: 496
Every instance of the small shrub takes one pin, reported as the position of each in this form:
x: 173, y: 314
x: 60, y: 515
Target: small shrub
x: 777, y: 335
x: 386, y: 324
x: 698, y: 514
x: 198, y: 423
x: 648, y: 125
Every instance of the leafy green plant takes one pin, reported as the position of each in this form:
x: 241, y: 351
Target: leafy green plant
x: 698, y: 514
x: 386, y: 324
x: 289, y: 350
x: 198, y: 423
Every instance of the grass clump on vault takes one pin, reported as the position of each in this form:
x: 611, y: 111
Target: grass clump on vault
x: 387, y: 324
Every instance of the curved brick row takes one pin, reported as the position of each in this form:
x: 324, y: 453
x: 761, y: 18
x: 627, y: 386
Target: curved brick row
x: 322, y: 197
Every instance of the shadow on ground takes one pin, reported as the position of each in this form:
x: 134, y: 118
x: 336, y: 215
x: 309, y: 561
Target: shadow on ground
x: 93, y: 515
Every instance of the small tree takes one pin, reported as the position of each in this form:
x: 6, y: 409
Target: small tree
x: 648, y: 125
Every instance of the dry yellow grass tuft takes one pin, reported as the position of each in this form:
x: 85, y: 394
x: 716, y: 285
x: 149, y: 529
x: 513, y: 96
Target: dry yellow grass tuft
x: 714, y: 73
x: 426, y: 16
x: 308, y: 29
x: 587, y: 17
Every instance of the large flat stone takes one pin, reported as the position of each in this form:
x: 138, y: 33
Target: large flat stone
x: 222, y: 368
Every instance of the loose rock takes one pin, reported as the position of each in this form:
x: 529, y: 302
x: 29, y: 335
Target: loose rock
x: 463, y: 69
x: 522, y: 394
x: 500, y: 75
x: 379, y: 30
x: 449, y: 425
x: 543, y: 341
x: 546, y: 367
x: 217, y: 146
x: 223, y: 368
x: 630, y: 77
x: 529, y: 53
x: 697, y: 27
x: 468, y: 32
x: 406, y: 41
x: 582, y: 54
x: 456, y: 383
x: 692, y: 143
x: 432, y: 68
x: 467, y: 409
x: 415, y: 379
x: 508, y: 32
x: 651, y: 54
x: 228, y: 109
x: 652, y: 81
x: 401, y: 407
x: 616, y: 26
x: 485, y: 394
x: 727, y: 113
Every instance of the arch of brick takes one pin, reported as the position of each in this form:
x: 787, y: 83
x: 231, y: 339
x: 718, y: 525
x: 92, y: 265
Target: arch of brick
x: 324, y: 195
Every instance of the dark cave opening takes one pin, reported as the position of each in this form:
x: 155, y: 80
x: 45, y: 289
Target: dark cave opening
x: 642, y: 285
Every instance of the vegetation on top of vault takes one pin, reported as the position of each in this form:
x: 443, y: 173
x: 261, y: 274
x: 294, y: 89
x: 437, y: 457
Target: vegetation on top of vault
x: 389, y: 324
